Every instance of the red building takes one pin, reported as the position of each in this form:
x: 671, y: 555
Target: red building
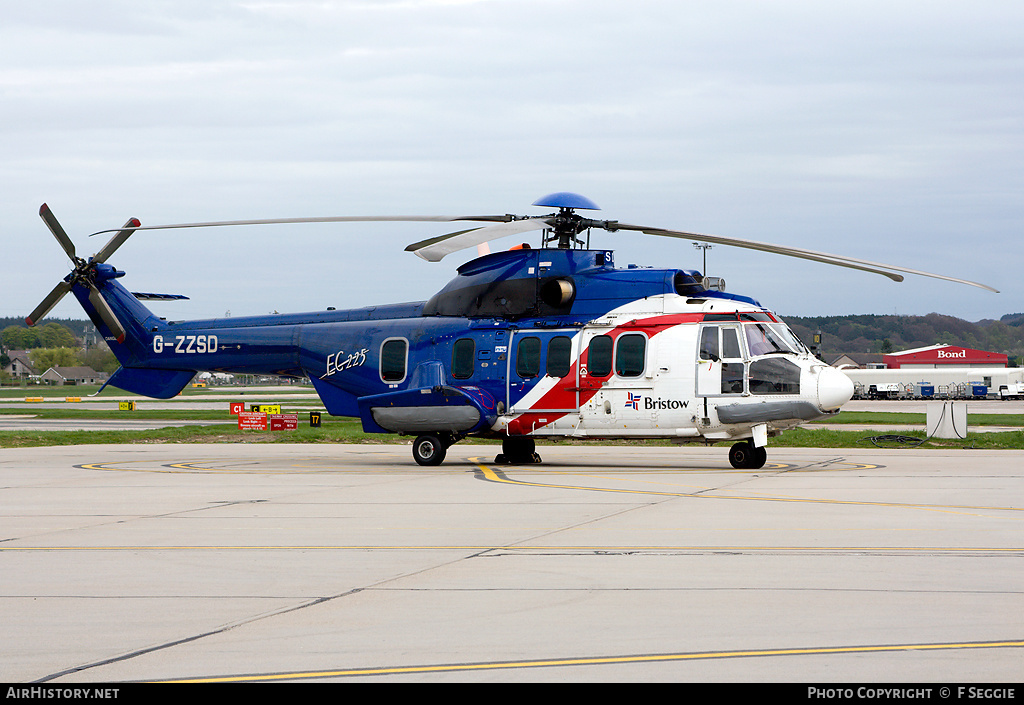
x: 944, y: 356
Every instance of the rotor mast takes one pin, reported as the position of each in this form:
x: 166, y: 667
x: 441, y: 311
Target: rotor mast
x: 566, y: 225
x: 564, y: 228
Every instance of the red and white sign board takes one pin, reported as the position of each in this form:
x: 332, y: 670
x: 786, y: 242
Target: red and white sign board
x: 252, y: 421
x: 284, y: 422
x: 237, y: 407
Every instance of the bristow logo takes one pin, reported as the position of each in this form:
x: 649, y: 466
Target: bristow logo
x: 633, y: 401
x: 660, y: 403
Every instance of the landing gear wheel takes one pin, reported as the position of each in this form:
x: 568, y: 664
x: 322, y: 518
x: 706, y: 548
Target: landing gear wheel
x: 517, y: 450
x: 745, y: 456
x: 428, y: 450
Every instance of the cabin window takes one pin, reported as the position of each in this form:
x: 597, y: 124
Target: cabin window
x: 393, y: 356
x: 630, y: 354
x: 559, y: 356
x: 709, y: 343
x: 463, y: 353
x: 599, y: 357
x: 774, y: 375
x: 528, y: 357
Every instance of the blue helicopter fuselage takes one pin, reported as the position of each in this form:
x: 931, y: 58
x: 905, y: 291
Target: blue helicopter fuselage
x: 525, y: 342
x: 339, y: 350
x: 553, y: 342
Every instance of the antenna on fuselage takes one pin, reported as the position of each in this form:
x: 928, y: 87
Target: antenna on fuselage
x: 704, y: 246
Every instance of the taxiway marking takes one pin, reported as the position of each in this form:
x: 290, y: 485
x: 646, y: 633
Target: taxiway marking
x: 490, y: 474
x: 599, y: 660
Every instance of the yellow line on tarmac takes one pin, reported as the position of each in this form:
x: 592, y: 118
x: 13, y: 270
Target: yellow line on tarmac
x: 494, y: 476
x: 596, y: 661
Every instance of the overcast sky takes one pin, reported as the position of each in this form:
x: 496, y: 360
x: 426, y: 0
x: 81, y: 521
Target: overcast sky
x: 890, y: 131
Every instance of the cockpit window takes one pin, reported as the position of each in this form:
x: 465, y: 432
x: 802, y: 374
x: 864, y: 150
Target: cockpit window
x: 774, y: 375
x: 731, y: 344
x: 768, y: 338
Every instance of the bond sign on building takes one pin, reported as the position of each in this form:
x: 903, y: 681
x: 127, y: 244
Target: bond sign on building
x: 943, y: 356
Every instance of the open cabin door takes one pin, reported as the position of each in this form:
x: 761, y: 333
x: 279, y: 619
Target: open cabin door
x: 720, y: 368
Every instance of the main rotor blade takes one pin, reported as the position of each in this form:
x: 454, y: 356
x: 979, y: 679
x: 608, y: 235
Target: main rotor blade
x: 58, y: 232
x: 436, y: 248
x: 328, y: 219
x: 131, y: 226
x: 51, y: 300
x: 838, y: 260
x: 106, y: 313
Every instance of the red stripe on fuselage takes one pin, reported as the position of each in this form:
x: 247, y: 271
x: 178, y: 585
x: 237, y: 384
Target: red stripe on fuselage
x: 563, y: 394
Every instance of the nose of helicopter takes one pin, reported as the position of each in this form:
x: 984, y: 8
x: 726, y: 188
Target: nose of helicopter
x: 834, y: 388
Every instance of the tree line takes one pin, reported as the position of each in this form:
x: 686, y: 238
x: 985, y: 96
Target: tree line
x: 54, y: 344
x: 892, y: 333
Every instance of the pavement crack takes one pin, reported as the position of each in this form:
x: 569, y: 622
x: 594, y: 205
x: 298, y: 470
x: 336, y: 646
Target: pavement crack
x: 196, y: 637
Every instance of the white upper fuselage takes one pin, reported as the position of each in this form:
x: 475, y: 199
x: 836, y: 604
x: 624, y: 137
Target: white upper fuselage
x: 672, y: 366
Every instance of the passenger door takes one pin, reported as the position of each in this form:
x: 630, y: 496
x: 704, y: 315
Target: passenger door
x: 616, y: 383
x: 720, y: 367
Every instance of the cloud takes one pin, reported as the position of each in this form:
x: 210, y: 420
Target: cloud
x: 870, y: 129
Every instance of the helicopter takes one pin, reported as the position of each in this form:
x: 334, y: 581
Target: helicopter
x: 548, y: 342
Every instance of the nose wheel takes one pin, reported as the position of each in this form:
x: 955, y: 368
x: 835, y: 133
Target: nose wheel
x: 746, y: 456
x: 517, y: 450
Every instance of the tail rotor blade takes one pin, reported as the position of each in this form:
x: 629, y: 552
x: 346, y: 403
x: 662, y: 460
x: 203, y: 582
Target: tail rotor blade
x: 51, y: 300
x: 117, y: 240
x: 58, y: 232
x: 106, y: 313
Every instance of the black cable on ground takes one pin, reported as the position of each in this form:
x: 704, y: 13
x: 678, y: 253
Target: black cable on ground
x: 901, y: 441
x: 913, y: 441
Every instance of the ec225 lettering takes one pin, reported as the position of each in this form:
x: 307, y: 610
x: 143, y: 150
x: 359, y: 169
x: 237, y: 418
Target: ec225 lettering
x: 336, y: 362
x: 188, y: 344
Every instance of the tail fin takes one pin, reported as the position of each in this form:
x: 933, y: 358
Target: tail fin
x: 133, y: 348
x: 125, y: 323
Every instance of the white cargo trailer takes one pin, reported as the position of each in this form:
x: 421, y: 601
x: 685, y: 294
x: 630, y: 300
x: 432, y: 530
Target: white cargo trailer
x: 938, y: 383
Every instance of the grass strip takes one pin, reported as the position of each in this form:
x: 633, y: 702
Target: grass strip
x: 351, y: 432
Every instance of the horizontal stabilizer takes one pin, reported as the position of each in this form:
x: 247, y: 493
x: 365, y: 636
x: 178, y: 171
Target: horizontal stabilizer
x: 141, y: 296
